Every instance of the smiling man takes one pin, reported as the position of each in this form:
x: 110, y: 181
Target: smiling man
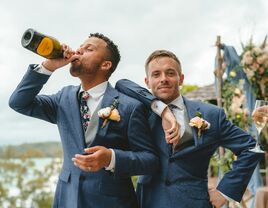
x: 182, y: 182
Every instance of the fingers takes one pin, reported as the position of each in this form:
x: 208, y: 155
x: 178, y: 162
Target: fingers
x: 173, y: 135
x: 175, y: 140
x: 91, y: 150
x: 67, y: 51
x: 95, y: 159
x: 84, y: 162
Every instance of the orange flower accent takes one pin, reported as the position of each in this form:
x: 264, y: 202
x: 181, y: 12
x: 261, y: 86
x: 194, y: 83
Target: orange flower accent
x: 200, y: 124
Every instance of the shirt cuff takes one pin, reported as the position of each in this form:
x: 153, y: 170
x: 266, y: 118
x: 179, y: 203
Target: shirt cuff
x: 227, y: 197
x: 112, y: 163
x: 158, y: 107
x: 42, y: 70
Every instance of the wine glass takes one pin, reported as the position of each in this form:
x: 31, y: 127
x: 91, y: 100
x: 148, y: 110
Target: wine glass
x: 260, y: 118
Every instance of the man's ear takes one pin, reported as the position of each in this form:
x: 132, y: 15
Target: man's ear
x: 147, y: 82
x: 181, y: 79
x: 106, y: 65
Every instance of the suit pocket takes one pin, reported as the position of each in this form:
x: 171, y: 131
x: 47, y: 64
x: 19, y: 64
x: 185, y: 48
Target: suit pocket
x: 63, y: 192
x: 114, y: 125
x: 194, y: 192
x: 65, y: 176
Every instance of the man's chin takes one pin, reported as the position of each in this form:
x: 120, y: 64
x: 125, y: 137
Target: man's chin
x: 74, y: 71
x: 163, y: 97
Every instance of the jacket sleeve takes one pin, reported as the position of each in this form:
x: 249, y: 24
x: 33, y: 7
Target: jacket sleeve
x: 142, y: 159
x: 234, y: 182
x: 25, y: 98
x: 132, y: 89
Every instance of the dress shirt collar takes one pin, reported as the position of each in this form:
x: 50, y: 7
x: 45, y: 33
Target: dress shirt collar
x: 178, y: 102
x: 97, y: 91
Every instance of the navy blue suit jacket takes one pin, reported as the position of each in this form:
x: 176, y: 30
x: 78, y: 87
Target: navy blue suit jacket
x: 182, y: 181
x: 130, y: 138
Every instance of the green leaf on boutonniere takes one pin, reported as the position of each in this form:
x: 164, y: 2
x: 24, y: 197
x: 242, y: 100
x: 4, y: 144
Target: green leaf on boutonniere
x: 198, y: 114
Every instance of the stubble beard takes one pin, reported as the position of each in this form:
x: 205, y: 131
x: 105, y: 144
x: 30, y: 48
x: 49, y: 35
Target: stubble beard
x: 75, y: 69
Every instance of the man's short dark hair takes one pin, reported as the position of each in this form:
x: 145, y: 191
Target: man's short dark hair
x: 112, y: 48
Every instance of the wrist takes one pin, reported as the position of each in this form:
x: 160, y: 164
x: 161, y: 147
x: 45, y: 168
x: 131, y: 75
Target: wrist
x: 48, y: 66
x: 158, y: 107
x: 109, y: 157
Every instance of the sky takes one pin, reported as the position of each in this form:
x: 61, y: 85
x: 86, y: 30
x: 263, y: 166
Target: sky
x: 187, y: 28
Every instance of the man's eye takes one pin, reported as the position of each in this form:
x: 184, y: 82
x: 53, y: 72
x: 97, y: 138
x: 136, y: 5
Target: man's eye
x: 155, y: 75
x: 170, y: 73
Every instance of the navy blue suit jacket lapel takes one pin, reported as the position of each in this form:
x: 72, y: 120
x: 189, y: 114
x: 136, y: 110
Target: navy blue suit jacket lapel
x: 75, y: 113
x: 192, y: 109
x: 108, y: 98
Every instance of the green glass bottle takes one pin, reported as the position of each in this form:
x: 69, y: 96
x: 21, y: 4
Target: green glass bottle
x: 41, y: 44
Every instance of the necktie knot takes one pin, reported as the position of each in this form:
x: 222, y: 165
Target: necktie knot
x: 85, y: 96
x: 172, y: 107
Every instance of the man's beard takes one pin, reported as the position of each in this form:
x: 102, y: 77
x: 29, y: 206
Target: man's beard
x: 75, y: 69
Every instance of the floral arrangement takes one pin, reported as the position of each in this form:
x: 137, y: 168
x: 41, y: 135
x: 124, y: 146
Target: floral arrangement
x: 199, y: 123
x: 109, y: 113
x: 235, y: 103
x: 254, y: 60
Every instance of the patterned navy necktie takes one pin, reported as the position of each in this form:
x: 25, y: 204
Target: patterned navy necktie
x: 84, y: 110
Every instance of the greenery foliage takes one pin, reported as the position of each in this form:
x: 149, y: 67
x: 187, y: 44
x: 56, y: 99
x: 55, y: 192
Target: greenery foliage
x: 188, y: 88
x: 23, y: 184
x: 40, y: 149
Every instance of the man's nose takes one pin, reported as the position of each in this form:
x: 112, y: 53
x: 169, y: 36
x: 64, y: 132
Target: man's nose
x: 79, y: 51
x: 163, y: 78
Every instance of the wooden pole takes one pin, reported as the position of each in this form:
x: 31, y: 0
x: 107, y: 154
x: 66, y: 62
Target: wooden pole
x: 219, y: 72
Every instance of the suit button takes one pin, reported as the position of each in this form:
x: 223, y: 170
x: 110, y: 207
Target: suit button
x: 171, y: 160
x: 168, y: 183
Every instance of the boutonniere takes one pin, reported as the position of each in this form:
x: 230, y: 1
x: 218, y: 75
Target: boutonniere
x: 109, y: 113
x: 199, y: 123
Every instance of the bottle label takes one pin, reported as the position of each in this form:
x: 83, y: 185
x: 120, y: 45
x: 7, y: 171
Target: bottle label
x: 45, y: 47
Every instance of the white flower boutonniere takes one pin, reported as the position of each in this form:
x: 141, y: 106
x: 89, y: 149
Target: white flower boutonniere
x: 199, y: 123
x: 109, y: 113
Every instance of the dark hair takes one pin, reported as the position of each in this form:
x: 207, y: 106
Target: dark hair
x: 161, y: 53
x: 112, y: 48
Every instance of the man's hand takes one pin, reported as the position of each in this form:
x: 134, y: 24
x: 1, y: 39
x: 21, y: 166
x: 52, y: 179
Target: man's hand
x: 260, y: 114
x: 216, y: 198
x: 171, y: 127
x: 95, y: 159
x: 68, y: 56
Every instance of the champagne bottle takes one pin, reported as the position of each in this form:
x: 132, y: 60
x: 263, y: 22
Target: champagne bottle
x: 41, y: 44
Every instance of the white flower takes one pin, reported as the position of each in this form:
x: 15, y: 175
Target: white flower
x: 255, y: 66
x: 261, y: 59
x: 109, y: 113
x: 247, y: 60
x: 257, y: 51
x: 104, y: 112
